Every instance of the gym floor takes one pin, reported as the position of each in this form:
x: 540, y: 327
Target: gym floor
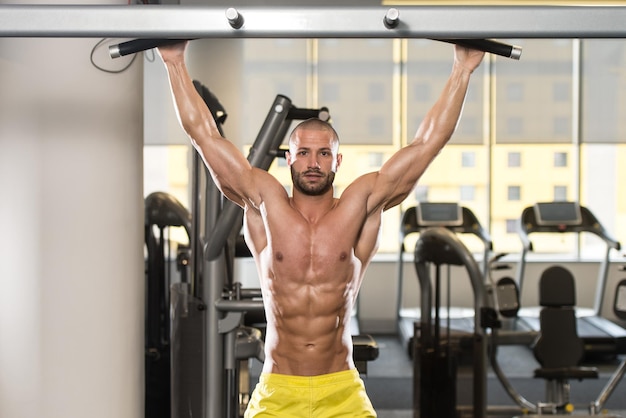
x: 389, y: 381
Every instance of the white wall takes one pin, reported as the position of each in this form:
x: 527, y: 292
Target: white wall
x: 71, y: 216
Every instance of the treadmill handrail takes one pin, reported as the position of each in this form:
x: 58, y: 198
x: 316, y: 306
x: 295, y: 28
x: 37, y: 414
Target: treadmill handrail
x: 163, y: 209
x: 589, y: 223
x: 470, y: 225
x: 439, y: 245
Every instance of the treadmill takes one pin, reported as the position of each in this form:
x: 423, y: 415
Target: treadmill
x: 457, y: 219
x: 601, y: 337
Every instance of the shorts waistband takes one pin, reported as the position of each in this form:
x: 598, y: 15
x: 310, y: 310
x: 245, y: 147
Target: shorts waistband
x: 309, y: 381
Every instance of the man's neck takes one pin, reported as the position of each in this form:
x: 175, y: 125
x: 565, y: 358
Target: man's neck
x: 313, y: 208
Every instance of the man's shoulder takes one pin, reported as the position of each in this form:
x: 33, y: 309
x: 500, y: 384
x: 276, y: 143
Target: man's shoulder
x: 361, y: 186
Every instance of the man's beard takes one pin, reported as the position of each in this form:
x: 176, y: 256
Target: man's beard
x: 316, y: 189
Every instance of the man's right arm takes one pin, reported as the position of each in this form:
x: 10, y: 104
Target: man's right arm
x: 230, y: 170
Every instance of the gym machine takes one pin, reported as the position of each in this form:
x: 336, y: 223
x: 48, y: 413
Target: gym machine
x: 465, y: 338
x: 163, y: 212
x: 602, y: 337
x: 458, y: 219
x: 435, y: 354
x: 437, y: 350
x: 560, y: 350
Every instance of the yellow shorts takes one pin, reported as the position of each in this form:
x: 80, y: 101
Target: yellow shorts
x: 340, y: 394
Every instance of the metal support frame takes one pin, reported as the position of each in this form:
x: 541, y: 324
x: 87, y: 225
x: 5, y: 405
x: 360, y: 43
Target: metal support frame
x: 189, y: 22
x: 439, y: 246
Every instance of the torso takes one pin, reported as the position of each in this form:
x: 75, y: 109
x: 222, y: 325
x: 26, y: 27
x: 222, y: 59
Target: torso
x: 310, y: 274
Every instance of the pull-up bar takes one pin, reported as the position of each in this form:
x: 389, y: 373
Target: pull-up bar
x: 192, y: 22
x: 390, y: 21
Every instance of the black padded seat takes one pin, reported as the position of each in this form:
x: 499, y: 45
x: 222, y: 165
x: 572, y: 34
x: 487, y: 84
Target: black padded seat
x: 364, y: 349
x: 559, y: 349
x: 567, y: 373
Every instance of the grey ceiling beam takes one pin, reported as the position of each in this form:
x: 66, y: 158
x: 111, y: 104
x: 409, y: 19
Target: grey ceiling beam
x: 190, y: 22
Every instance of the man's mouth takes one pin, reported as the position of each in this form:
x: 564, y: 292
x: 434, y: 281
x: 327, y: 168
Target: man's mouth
x: 313, y: 174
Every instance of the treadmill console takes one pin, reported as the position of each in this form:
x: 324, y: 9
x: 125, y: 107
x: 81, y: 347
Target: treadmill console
x: 558, y: 213
x: 439, y: 214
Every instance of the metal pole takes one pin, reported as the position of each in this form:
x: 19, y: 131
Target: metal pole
x: 213, y: 279
x: 190, y: 22
x: 231, y: 216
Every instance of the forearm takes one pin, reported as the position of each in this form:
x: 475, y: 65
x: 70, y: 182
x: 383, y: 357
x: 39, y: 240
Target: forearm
x: 441, y: 120
x: 402, y: 171
x: 228, y: 167
x: 191, y: 111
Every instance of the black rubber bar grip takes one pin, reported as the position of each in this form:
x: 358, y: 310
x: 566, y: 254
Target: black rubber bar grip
x: 488, y: 45
x: 138, y: 45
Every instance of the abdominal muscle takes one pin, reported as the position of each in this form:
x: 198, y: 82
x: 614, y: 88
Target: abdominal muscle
x: 308, y: 321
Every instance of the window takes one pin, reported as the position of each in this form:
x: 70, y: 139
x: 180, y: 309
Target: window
x: 514, y: 159
x: 467, y: 193
x: 515, y: 92
x: 362, y: 70
x: 560, y: 159
x: 514, y: 126
x: 376, y: 126
x: 376, y: 92
x: 421, y: 193
x: 422, y: 92
x: 534, y: 145
x: 514, y: 193
x: 560, y: 193
x: 330, y: 91
x: 468, y: 159
x: 468, y: 126
x: 511, y: 226
x: 561, y: 92
x: 562, y: 126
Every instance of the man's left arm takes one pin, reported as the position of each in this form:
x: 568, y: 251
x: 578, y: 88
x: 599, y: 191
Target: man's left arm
x: 399, y: 175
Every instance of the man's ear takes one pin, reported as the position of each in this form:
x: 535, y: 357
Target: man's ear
x: 339, y: 159
x: 288, y: 157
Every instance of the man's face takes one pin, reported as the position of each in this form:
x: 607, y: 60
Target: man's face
x: 313, y: 160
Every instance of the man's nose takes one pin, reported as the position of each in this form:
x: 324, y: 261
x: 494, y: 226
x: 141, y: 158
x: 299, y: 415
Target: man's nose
x: 313, y: 163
